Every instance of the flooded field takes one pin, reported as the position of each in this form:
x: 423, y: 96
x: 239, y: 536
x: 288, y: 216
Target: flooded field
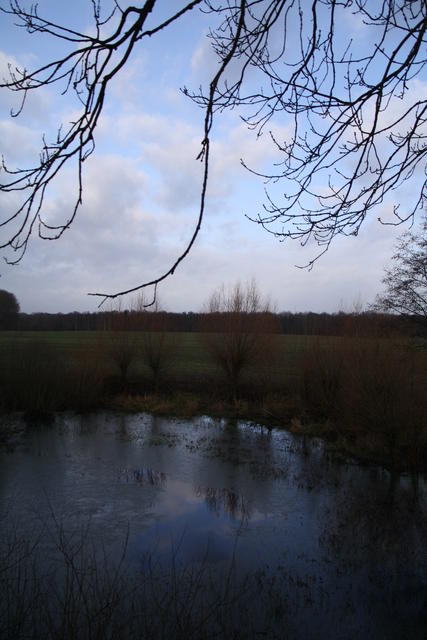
x: 201, y: 529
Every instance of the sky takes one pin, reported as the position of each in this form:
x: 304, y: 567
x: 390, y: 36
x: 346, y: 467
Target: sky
x: 141, y: 189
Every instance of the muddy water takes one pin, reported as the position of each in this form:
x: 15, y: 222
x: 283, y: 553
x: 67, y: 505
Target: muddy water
x: 343, y: 547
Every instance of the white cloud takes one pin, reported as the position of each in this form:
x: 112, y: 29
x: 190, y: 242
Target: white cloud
x: 132, y: 226
x: 204, y: 62
x: 169, y: 148
x: 141, y: 198
x: 18, y: 143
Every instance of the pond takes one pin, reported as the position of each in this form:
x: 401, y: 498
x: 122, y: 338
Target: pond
x: 210, y: 528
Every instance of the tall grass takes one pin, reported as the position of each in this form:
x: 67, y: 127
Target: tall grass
x: 68, y: 586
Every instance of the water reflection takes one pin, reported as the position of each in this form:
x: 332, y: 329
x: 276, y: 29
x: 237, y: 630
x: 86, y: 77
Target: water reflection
x: 228, y: 501
x: 143, y: 476
x: 336, y: 549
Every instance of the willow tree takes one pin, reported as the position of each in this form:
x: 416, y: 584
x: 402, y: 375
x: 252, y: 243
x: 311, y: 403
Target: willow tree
x: 347, y: 78
x: 238, y: 329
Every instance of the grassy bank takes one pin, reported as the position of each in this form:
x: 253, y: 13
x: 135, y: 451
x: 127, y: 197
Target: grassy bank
x: 364, y: 395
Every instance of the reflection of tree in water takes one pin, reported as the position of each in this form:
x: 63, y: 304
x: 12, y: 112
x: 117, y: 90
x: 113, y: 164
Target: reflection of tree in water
x: 230, y: 445
x: 376, y: 531
x: 382, y: 514
x: 241, y: 444
x: 142, y: 476
x: 160, y: 433
x: 226, y: 501
x: 155, y: 426
x: 247, y: 458
x: 122, y: 427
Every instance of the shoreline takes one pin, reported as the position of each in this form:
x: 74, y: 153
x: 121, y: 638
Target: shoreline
x: 363, y: 448
x: 186, y: 406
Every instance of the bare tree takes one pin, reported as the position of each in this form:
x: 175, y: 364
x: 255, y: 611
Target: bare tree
x: 356, y: 121
x: 238, y: 331
x: 405, y: 280
x: 157, y: 343
x: 121, y: 345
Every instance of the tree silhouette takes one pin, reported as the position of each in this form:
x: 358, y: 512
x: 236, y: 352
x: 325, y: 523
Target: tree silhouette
x: 356, y: 130
x: 9, y: 309
x: 405, y: 279
x: 354, y: 112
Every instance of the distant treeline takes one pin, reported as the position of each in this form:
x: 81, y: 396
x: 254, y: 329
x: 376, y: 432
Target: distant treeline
x: 302, y: 323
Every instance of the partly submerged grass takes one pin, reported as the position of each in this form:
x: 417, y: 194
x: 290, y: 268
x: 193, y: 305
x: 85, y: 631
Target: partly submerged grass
x: 272, y: 409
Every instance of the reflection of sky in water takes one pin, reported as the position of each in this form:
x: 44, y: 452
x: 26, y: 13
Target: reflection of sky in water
x: 347, y: 541
x: 194, y: 535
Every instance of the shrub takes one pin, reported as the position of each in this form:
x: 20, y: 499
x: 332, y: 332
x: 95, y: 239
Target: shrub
x: 383, y: 394
x: 370, y: 387
x: 33, y: 378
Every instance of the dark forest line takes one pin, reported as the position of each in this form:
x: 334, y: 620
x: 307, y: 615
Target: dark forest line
x: 286, y: 322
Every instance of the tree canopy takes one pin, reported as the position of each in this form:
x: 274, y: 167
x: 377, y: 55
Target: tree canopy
x: 9, y: 309
x: 354, y: 108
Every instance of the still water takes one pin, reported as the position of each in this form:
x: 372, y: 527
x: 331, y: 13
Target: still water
x: 342, y: 548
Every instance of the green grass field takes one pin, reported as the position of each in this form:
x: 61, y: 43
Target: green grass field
x: 188, y: 356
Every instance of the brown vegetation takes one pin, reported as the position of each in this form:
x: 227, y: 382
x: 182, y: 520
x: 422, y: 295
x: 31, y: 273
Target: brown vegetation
x: 371, y: 391
x: 239, y: 329
x: 32, y: 380
x: 120, y: 345
x: 365, y: 392
x: 158, y: 344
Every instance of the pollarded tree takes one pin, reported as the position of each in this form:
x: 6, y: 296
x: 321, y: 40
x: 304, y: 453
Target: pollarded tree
x: 158, y: 344
x: 9, y: 309
x: 346, y: 78
x: 405, y: 280
x: 120, y: 343
x: 238, y: 330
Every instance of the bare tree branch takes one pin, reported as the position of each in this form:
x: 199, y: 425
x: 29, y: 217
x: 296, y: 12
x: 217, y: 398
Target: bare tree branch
x: 87, y: 70
x: 356, y: 124
x: 356, y: 134
x: 204, y: 157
